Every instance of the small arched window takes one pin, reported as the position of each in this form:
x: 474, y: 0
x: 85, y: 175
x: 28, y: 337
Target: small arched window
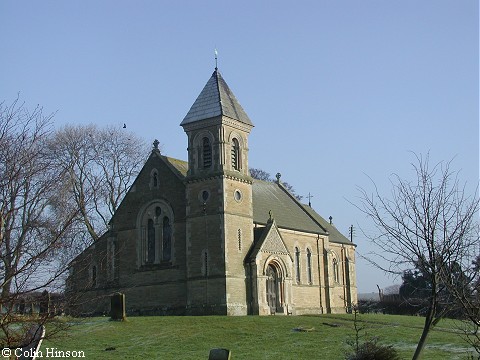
x: 309, y: 266
x: 167, y: 240
x: 207, y: 153
x: 235, y: 155
x: 154, y: 182
x: 297, y: 263
x: 336, y: 277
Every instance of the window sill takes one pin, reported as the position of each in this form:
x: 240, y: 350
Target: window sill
x: 154, y: 267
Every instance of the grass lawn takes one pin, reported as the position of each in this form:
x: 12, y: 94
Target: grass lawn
x: 251, y: 337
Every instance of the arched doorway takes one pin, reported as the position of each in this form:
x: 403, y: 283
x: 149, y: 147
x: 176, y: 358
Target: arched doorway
x: 272, y: 288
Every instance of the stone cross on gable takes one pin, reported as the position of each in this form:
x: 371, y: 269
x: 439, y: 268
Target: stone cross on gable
x: 155, y: 145
x: 270, y: 216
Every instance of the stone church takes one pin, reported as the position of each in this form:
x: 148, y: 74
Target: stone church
x: 203, y: 237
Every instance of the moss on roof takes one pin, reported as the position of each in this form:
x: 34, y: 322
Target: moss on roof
x: 180, y: 166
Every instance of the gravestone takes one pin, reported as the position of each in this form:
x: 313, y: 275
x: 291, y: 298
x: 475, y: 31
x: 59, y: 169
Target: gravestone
x: 117, y: 307
x: 219, y: 354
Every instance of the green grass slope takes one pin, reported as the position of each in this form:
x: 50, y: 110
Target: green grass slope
x: 251, y: 337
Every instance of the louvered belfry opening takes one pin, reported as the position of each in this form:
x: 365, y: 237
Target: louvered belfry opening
x: 235, y: 155
x: 207, y: 153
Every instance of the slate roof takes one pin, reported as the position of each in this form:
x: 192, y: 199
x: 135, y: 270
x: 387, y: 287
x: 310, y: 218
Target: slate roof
x: 180, y: 166
x: 216, y: 99
x: 334, y: 235
x: 287, y: 212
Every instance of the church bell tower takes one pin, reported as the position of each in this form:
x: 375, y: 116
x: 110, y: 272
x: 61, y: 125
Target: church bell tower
x: 219, y: 220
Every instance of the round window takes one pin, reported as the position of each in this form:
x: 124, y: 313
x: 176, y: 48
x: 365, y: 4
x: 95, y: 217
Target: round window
x: 205, y: 195
x: 238, y: 195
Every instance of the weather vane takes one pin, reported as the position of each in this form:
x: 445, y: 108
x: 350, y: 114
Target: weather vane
x: 216, y: 59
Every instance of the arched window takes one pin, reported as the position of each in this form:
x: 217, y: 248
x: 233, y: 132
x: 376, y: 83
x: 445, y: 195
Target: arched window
x: 235, y: 155
x: 297, y: 263
x: 309, y: 266
x: 207, y: 153
x: 167, y: 240
x: 154, y: 183
x: 150, y: 242
x: 156, y: 237
x: 336, y: 277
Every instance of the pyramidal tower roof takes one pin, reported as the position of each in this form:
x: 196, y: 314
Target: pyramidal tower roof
x: 216, y: 99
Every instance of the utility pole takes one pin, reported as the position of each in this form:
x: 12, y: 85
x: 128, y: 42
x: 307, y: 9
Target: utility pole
x: 351, y: 232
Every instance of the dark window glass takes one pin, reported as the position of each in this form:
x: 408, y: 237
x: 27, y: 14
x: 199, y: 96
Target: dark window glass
x: 167, y: 240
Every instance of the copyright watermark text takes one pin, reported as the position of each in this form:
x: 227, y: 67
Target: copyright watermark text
x: 47, y: 353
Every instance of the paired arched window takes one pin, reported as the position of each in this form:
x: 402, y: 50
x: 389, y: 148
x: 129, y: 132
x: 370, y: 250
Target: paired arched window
x: 297, y: 263
x: 309, y: 266
x: 235, y: 155
x: 206, y: 153
x: 156, y: 234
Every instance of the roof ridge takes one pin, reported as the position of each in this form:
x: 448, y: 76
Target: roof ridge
x: 301, y: 206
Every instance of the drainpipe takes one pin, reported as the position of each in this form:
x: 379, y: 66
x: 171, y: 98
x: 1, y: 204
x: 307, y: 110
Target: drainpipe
x: 251, y: 288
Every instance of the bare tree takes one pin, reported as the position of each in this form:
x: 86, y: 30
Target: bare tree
x: 428, y: 224
x: 32, y: 232
x: 101, y: 166
x: 260, y: 174
x: 463, y: 284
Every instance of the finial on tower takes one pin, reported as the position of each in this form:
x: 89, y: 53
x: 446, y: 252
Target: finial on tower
x: 216, y: 59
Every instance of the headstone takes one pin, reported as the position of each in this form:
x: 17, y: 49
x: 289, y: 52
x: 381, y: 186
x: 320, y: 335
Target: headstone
x: 219, y: 354
x: 117, y: 307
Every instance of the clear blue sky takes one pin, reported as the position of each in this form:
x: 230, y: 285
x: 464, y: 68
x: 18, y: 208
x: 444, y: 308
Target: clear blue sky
x: 337, y: 90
